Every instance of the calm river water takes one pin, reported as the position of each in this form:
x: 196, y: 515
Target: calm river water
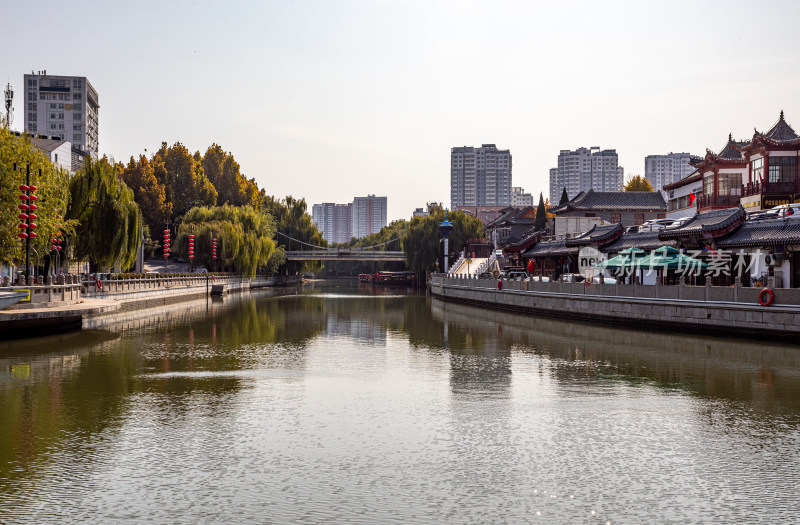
x: 341, y: 404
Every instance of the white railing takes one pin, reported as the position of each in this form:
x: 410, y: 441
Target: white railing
x: 482, y: 268
x: 456, y: 264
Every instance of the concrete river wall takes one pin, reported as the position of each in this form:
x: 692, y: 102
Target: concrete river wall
x: 700, y: 309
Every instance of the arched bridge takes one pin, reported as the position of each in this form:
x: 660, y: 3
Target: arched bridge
x: 310, y: 252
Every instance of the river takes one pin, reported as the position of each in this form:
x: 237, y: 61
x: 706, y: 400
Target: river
x: 337, y: 403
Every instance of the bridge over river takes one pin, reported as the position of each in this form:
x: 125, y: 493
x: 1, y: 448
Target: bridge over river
x: 310, y: 252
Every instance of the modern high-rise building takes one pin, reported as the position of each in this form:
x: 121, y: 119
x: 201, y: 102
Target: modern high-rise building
x: 480, y: 176
x: 341, y: 222
x: 369, y: 215
x: 520, y: 199
x: 585, y: 169
x: 63, y: 107
x: 334, y: 221
x: 661, y: 170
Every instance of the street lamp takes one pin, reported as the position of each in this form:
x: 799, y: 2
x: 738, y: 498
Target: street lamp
x: 446, y: 228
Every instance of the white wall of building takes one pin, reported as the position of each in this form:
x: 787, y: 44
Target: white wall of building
x: 584, y: 169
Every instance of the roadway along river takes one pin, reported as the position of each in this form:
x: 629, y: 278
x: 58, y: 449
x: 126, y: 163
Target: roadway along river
x: 341, y: 404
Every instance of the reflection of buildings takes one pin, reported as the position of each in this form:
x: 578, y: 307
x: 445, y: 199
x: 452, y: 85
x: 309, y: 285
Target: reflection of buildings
x: 732, y: 369
x: 360, y: 328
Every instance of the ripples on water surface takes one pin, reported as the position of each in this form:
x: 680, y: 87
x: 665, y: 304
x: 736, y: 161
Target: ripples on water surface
x: 337, y: 405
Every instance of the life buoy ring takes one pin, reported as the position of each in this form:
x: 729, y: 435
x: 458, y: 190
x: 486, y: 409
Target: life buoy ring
x: 99, y: 284
x: 499, y: 284
x: 770, y: 296
x: 213, y: 278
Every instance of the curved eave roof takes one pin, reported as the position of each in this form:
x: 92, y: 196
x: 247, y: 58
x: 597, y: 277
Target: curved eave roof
x: 708, y: 225
x: 763, y: 233
x: 550, y: 249
x: 645, y: 241
x: 598, y: 235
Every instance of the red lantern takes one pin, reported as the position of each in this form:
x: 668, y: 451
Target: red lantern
x: 33, y: 188
x: 32, y: 235
x: 33, y: 216
x: 22, y: 235
x: 22, y: 217
x: 23, y: 207
x: 22, y: 226
x: 34, y: 197
x: 22, y: 187
x: 23, y: 197
x: 33, y: 225
x: 33, y: 207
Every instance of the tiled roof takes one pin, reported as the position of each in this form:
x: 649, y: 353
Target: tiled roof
x: 709, y: 224
x: 646, y: 241
x: 524, y: 243
x: 781, y: 131
x: 514, y: 216
x: 47, y: 145
x: 763, y: 233
x: 614, y: 201
x: 598, y: 235
x: 550, y: 249
x: 732, y: 150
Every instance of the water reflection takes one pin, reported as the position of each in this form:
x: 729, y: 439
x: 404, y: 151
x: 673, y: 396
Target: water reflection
x: 337, y: 403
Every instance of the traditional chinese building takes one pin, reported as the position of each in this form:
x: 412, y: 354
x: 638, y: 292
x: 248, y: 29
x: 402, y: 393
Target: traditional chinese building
x: 758, y: 174
x: 772, y: 161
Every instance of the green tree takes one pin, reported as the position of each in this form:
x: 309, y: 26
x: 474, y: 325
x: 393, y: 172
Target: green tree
x: 422, y: 244
x: 564, y: 197
x: 109, y: 223
x: 541, y: 215
x: 293, y: 222
x: 183, y: 178
x: 52, y: 192
x: 244, y: 238
x: 638, y: 183
x: 224, y: 173
x: 150, y: 195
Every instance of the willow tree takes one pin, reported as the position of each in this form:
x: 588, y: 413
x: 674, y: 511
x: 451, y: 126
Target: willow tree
x: 422, y: 244
x: 244, y: 238
x: 295, y: 226
x: 52, y: 191
x: 109, y: 223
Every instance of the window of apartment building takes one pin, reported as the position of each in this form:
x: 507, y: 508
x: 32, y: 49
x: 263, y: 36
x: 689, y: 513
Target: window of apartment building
x: 77, y: 83
x: 76, y: 116
x: 42, y: 96
x: 638, y: 218
x: 616, y: 217
x: 76, y: 96
x: 31, y: 82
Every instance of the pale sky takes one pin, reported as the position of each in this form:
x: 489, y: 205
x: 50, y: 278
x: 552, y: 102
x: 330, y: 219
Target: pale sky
x: 329, y: 100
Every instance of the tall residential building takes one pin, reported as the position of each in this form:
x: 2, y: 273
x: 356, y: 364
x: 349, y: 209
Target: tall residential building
x: 585, y: 169
x: 64, y: 107
x: 661, y: 170
x: 369, y: 215
x: 480, y: 176
x: 520, y: 199
x: 334, y: 221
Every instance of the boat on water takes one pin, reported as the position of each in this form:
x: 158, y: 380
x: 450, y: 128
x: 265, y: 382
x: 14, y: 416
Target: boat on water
x: 404, y: 278
x: 365, y: 277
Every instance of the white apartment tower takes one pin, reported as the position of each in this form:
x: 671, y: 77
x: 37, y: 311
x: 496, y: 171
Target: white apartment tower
x: 584, y: 169
x: 369, y: 215
x: 661, y: 170
x: 480, y: 176
x: 334, y: 221
x: 65, y: 107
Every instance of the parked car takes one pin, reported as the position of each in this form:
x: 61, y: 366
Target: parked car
x: 514, y: 273
x: 632, y: 229
x: 571, y: 278
x: 655, y: 225
x: 677, y: 223
x: 764, y: 215
x: 788, y: 211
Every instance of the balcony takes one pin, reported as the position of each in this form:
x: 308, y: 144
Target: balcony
x: 717, y: 201
x: 770, y: 188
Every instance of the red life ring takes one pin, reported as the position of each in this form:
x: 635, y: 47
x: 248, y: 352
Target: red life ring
x: 99, y: 284
x: 770, y: 296
x: 213, y: 278
x: 499, y: 284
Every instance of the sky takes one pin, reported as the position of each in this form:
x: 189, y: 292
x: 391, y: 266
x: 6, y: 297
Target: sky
x: 328, y: 100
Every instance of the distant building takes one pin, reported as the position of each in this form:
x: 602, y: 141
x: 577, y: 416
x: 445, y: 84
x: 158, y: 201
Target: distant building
x: 480, y: 176
x: 485, y: 213
x: 369, y: 215
x: 59, y: 151
x: 585, y: 169
x: 424, y: 212
x: 334, y: 221
x: 661, y: 170
x: 520, y: 199
x: 341, y: 222
x: 62, y: 106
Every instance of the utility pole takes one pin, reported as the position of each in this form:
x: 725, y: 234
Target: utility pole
x: 9, y: 93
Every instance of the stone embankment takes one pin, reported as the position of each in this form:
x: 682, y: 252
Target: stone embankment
x: 729, y: 310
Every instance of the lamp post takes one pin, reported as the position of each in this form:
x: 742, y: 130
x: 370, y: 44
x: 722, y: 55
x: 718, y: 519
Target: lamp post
x: 27, y: 215
x: 446, y: 228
